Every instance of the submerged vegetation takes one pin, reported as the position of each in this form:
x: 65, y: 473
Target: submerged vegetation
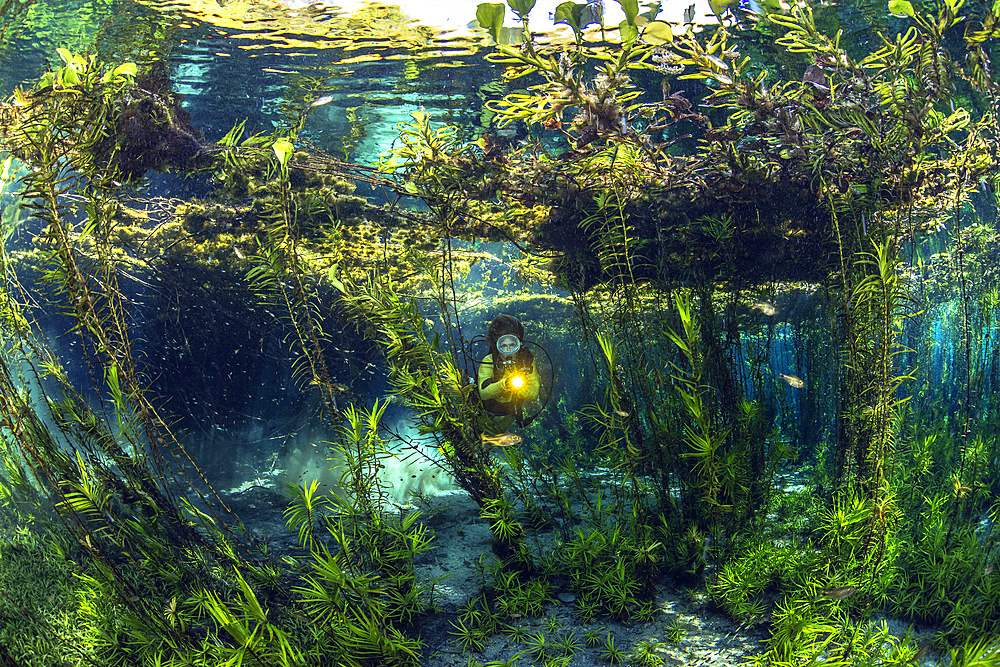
x: 789, y: 196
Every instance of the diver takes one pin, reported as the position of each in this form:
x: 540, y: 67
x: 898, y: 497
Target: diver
x: 508, y: 375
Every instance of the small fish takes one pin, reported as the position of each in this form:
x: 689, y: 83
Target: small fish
x: 841, y: 593
x: 988, y: 571
x: 320, y: 101
x: 622, y: 414
x: 689, y: 14
x: 794, y: 381
x: 502, y: 440
x: 553, y: 124
x: 764, y: 307
x: 920, y: 653
x: 238, y: 253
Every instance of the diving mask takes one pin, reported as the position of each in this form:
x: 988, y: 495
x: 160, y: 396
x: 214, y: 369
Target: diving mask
x: 508, y: 344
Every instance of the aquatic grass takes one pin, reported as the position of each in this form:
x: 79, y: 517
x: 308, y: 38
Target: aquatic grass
x: 468, y: 638
x: 691, y: 460
x: 646, y: 653
x: 538, y: 646
x: 512, y: 661
x: 676, y: 631
x: 611, y: 652
x: 516, y: 598
x: 982, y: 652
x: 567, y: 643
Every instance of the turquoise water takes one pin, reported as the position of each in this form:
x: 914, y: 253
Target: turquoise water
x: 264, y: 64
x: 224, y: 370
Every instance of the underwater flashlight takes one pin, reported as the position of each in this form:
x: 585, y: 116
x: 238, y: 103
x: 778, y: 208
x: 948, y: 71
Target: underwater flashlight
x: 517, y: 381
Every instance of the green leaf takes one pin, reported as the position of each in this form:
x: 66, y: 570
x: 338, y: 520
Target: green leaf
x: 901, y: 8
x: 69, y: 76
x: 522, y: 7
x: 631, y: 9
x: 658, y: 32
x: 629, y: 32
x: 125, y: 69
x: 570, y: 13
x: 335, y: 281
x: 283, y: 149
x: 490, y: 17
x: 508, y: 35
x: 719, y: 7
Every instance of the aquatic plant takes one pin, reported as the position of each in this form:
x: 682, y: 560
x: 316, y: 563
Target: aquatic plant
x: 468, y: 639
x: 612, y: 653
x: 646, y: 653
x: 873, y: 148
x: 174, y: 579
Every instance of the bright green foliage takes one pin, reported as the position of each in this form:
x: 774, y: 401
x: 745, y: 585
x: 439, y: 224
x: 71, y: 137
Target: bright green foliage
x: 688, y: 461
x: 645, y: 654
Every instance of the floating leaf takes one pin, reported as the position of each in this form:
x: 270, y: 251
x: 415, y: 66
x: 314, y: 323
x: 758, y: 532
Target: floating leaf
x: 901, y: 8
x: 508, y: 35
x: 490, y: 17
x: 650, y: 15
x: 521, y: 7
x: 570, y: 13
x: 69, y: 76
x: 658, y: 32
x: 66, y: 56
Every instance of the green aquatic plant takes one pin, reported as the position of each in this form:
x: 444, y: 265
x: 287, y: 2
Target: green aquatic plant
x: 516, y: 598
x: 538, y: 646
x: 428, y: 379
x: 611, y: 652
x: 567, y: 643
x: 177, y: 580
x: 592, y: 638
x: 468, y: 638
x: 676, y: 631
x: 691, y: 461
x: 741, y: 581
x: 646, y: 653
x: 512, y: 661
x: 983, y: 652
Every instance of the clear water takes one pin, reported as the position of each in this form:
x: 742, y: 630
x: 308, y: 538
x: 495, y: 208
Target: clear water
x: 242, y: 417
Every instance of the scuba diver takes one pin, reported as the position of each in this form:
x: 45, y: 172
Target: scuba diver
x: 508, y: 375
